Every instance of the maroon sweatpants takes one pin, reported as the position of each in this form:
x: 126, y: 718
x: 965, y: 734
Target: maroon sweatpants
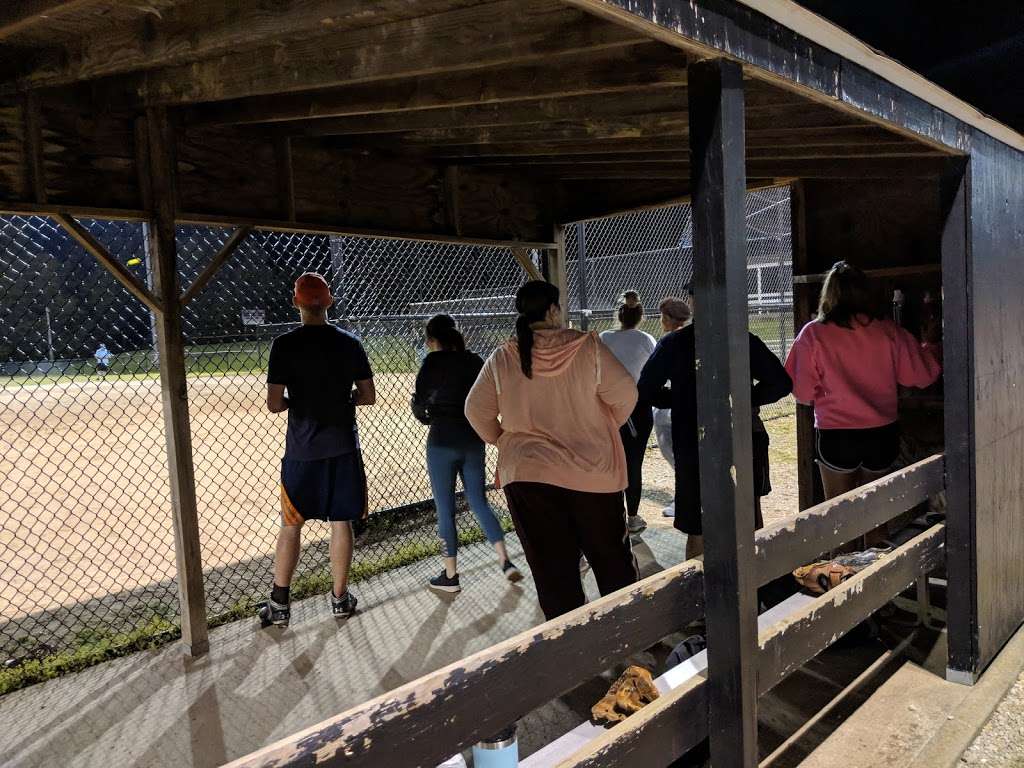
x: 555, y: 525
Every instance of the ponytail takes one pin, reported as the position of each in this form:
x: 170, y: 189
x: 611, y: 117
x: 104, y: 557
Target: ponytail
x: 524, y: 337
x: 442, y: 329
x: 533, y: 301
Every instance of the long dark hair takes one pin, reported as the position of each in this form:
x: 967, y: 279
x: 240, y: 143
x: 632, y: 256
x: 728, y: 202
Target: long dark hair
x: 442, y: 329
x: 631, y: 311
x: 845, y: 295
x: 533, y: 301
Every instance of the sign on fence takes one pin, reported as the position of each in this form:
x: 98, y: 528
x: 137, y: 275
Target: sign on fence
x: 254, y: 317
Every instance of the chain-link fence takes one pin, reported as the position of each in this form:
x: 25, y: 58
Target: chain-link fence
x: 651, y: 252
x: 85, y: 518
x: 86, y: 541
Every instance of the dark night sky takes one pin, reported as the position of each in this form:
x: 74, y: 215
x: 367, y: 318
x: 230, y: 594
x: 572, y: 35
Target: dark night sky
x: 973, y: 49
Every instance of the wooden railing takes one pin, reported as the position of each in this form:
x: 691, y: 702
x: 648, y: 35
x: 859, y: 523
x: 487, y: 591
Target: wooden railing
x: 425, y: 721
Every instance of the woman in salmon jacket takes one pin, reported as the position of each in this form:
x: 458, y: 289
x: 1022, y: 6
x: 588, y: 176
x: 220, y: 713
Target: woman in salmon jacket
x: 553, y: 399
x: 848, y: 364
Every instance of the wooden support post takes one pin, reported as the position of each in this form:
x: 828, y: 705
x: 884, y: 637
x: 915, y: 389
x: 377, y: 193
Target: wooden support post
x: 808, y: 481
x: 453, y: 219
x: 171, y: 349
x: 35, y: 175
x: 112, y: 265
x: 958, y: 380
x: 285, y: 177
x: 523, y: 257
x: 723, y: 408
x: 216, y: 263
x: 557, y: 274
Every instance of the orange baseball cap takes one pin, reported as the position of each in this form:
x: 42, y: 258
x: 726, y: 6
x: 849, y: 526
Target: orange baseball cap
x: 312, y: 292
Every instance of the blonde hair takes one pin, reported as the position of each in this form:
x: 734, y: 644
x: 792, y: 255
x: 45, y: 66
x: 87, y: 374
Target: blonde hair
x: 846, y: 297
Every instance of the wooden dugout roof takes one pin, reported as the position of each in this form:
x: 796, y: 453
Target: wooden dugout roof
x: 487, y: 120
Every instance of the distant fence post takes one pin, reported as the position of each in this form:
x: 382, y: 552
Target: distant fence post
x: 162, y: 250
x: 581, y: 275
x: 556, y: 272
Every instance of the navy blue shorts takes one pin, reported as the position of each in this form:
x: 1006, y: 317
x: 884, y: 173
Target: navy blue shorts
x: 331, y: 489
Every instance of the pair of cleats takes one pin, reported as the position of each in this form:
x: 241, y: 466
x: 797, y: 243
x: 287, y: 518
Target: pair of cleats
x: 445, y: 583
x: 272, y: 614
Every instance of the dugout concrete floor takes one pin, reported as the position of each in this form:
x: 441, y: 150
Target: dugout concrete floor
x: 156, y: 709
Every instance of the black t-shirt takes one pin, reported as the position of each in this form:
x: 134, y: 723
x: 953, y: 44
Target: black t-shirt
x: 318, y: 365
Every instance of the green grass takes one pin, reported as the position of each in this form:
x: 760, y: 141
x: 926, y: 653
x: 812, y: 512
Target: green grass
x: 93, y: 647
x: 388, y: 354
x: 96, y: 645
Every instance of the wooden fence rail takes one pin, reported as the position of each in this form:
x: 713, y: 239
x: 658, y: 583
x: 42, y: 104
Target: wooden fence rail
x: 427, y: 720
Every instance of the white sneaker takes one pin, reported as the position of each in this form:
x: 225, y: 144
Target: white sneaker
x: 636, y: 524
x: 669, y: 511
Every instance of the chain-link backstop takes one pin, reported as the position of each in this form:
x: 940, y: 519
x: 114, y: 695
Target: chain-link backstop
x: 86, y: 540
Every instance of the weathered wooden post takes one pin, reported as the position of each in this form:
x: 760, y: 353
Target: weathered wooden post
x: 556, y: 272
x: 961, y: 568
x: 723, y: 407
x: 173, y: 385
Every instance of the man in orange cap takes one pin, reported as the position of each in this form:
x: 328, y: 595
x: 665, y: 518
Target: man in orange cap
x: 313, y: 370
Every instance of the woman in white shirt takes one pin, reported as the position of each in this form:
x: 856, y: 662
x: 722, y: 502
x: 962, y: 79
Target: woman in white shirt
x: 632, y: 347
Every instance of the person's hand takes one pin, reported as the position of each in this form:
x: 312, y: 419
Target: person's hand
x: 931, y: 329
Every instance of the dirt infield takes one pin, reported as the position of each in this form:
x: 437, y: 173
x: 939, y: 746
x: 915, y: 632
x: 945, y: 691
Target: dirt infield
x: 84, y: 501
x: 85, y: 518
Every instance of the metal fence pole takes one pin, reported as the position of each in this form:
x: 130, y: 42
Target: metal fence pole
x: 581, y: 274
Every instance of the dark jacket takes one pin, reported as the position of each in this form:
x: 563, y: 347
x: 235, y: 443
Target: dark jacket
x: 673, y: 360
x: 442, y: 385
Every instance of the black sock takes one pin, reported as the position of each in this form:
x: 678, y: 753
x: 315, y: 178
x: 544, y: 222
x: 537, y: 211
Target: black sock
x: 280, y: 595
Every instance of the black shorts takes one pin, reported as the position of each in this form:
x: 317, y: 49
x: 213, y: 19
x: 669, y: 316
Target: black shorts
x: 847, y: 450
x: 688, y: 508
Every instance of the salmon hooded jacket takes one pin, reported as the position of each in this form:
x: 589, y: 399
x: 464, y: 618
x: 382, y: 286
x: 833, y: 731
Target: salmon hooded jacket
x: 560, y: 427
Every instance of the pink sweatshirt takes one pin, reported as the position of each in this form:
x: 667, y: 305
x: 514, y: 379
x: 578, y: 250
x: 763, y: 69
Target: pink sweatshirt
x: 850, y: 375
x: 562, y: 426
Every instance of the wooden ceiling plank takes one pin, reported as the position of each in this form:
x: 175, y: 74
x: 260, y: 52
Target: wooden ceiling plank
x: 189, y: 31
x: 646, y: 66
x: 548, y: 110
x: 506, y: 32
x: 830, y: 168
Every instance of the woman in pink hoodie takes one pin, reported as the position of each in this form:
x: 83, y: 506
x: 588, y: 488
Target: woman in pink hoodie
x: 848, y: 363
x: 552, y: 400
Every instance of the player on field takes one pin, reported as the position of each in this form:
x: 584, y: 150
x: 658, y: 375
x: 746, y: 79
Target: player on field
x: 312, y: 372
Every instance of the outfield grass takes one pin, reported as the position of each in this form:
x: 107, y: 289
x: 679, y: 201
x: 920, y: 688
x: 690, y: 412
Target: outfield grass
x: 388, y: 354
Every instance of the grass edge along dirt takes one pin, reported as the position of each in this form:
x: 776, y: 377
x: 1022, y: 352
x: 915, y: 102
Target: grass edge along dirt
x: 98, y: 645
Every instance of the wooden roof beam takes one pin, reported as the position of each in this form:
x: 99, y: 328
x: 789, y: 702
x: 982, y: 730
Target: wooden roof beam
x: 659, y: 124
x: 17, y: 15
x: 502, y: 33
x: 639, y: 100
x: 647, y: 66
x: 192, y: 31
x: 584, y: 108
x: 852, y: 136
x: 761, y: 168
